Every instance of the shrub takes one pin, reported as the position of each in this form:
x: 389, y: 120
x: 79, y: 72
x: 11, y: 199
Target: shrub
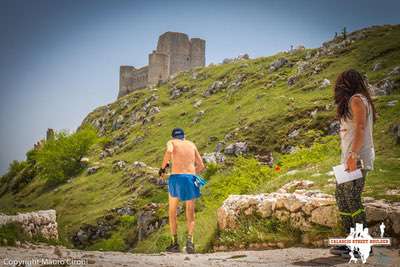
x: 59, y: 159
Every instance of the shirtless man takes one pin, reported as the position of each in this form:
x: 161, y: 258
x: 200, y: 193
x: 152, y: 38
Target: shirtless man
x: 186, y: 162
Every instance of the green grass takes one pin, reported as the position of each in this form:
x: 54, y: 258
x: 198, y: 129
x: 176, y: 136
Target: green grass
x: 264, y: 115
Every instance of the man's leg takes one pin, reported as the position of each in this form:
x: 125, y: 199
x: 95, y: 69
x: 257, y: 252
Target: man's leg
x: 172, y: 207
x: 190, y: 226
x: 190, y: 216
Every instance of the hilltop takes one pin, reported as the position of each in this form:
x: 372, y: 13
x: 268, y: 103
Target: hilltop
x: 246, y: 116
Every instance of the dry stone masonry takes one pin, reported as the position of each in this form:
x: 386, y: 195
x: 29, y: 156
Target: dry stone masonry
x: 40, y: 223
x: 174, y: 53
x: 305, y: 208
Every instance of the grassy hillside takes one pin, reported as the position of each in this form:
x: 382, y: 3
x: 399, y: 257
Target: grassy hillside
x: 254, y: 104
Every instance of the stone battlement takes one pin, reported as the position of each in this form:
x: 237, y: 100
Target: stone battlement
x: 175, y: 52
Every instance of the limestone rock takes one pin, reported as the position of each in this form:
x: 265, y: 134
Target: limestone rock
x: 139, y: 164
x: 219, y: 147
x: 395, y: 129
x: 198, y: 103
x: 214, y: 88
x: 93, y: 169
x: 214, y: 157
x: 277, y: 64
x: 395, y: 71
x: 325, y: 215
x: 118, y: 165
x: 302, y: 66
x: 377, y: 66
x: 325, y: 83
x: 292, y: 80
x: 237, y: 149
x: 392, y: 103
x: 384, y: 87
x: 375, y: 214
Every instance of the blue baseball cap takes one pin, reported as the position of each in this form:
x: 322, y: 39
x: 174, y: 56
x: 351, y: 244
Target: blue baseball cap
x: 178, y: 133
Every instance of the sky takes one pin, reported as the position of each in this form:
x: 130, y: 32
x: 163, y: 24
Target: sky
x: 59, y: 60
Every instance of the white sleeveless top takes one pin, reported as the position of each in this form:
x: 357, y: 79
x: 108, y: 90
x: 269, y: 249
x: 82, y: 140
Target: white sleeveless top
x: 347, y: 130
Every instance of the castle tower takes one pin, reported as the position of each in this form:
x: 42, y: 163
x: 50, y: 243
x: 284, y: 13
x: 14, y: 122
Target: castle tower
x: 197, y: 53
x: 174, y: 53
x: 124, y: 79
x: 177, y: 46
x: 158, y: 67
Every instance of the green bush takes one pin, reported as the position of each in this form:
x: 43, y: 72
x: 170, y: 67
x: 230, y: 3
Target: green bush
x: 59, y: 159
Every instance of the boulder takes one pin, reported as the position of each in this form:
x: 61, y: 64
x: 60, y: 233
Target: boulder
x: 178, y: 91
x: 302, y: 66
x: 384, y: 87
x: 395, y: 129
x: 139, y: 164
x: 334, y: 127
x: 118, y: 165
x: 197, y: 103
x: 375, y: 214
x: 377, y: 66
x: 288, y: 149
x: 392, y: 103
x: 395, y: 71
x: 266, y: 159
x: 213, y: 158
x: 293, y: 133
x: 219, y: 147
x: 93, y: 169
x: 325, y: 215
x: 292, y: 80
x: 214, y: 88
x: 154, y: 110
x: 277, y: 64
x: 325, y: 83
x: 237, y: 149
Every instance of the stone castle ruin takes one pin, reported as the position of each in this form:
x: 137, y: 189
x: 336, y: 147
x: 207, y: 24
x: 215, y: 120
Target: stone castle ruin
x: 174, y: 53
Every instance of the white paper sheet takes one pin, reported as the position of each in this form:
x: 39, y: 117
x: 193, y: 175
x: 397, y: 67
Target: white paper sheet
x: 343, y: 176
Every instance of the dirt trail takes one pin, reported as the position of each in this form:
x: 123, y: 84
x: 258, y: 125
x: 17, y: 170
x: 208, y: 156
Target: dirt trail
x: 277, y: 257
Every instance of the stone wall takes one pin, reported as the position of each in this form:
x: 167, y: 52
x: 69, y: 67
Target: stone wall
x: 306, y: 208
x: 40, y: 223
x: 158, y: 67
x: 131, y: 79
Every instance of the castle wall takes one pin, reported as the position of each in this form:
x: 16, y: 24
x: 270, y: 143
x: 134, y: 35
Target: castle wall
x: 175, y: 53
x: 177, y: 46
x: 158, y: 67
x: 197, y: 53
x: 131, y: 79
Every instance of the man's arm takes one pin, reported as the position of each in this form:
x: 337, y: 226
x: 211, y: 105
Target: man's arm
x: 358, y: 110
x: 198, y: 161
x: 167, y: 158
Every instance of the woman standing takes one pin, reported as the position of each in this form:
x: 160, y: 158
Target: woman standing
x: 356, y: 113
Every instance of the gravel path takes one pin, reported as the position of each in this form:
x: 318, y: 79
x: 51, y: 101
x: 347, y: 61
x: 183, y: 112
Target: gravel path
x: 276, y: 257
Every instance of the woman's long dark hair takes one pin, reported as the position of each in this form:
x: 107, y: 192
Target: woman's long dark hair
x: 349, y: 83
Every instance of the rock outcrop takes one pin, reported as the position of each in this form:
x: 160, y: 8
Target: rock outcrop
x: 40, y: 223
x: 304, y: 208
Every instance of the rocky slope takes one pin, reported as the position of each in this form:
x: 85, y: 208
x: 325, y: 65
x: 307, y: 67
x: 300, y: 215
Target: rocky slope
x: 259, y: 123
